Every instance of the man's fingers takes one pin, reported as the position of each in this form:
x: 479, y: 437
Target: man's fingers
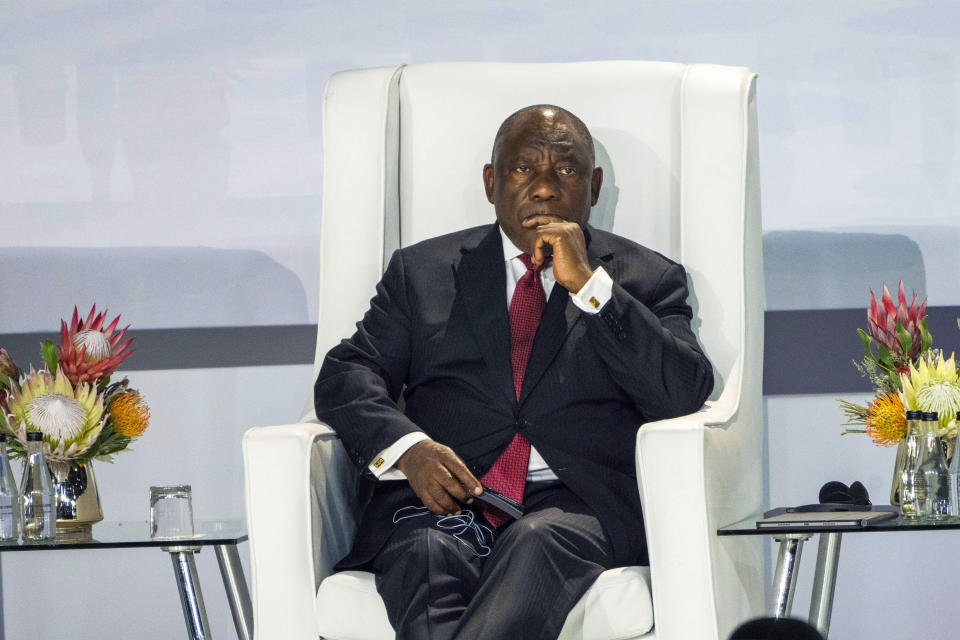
x: 462, y: 475
x: 442, y: 499
x: 455, y: 489
x: 433, y: 494
x: 440, y: 478
x: 432, y: 505
x: 542, y: 250
x: 541, y: 220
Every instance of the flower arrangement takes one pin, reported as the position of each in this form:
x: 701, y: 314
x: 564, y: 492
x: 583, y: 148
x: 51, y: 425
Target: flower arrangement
x: 71, y: 400
x: 907, y: 373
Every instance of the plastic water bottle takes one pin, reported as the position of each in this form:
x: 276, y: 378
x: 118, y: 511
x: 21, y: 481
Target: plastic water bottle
x: 38, y: 499
x: 9, y: 498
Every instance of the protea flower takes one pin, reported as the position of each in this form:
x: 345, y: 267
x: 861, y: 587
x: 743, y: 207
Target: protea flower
x: 70, y: 418
x: 88, y: 351
x: 129, y: 414
x: 933, y: 385
x: 886, y: 422
x: 8, y: 367
x: 882, y: 321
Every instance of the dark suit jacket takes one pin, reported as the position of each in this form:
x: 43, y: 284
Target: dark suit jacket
x: 437, y: 334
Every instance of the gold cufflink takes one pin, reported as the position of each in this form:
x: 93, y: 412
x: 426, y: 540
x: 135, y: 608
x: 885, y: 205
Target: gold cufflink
x: 378, y: 463
x: 594, y: 302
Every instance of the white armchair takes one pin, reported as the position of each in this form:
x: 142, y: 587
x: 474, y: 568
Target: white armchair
x: 678, y: 145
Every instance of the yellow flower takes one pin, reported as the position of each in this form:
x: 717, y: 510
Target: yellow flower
x: 933, y: 385
x: 129, y: 413
x: 886, y: 423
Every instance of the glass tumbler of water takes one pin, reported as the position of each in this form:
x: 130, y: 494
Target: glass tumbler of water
x: 171, y: 512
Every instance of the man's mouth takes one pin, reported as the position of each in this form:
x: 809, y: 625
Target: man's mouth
x: 541, y: 218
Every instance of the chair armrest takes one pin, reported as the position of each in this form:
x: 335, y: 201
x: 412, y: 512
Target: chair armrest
x: 696, y: 473
x: 301, y: 517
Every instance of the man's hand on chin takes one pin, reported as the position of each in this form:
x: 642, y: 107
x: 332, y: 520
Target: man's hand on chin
x: 438, y: 476
x: 565, y: 242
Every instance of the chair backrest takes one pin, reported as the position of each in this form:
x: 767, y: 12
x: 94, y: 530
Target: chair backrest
x: 404, y: 148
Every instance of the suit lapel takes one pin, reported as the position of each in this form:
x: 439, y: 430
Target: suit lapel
x: 481, y: 277
x: 559, y: 318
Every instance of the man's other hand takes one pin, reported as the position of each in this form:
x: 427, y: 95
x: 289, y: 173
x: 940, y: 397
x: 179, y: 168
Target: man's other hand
x: 565, y: 242
x: 439, y: 477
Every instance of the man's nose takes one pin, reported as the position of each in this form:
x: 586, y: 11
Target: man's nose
x: 545, y: 186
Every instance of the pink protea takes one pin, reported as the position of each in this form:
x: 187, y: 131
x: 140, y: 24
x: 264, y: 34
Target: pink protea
x: 10, y: 369
x: 87, y: 350
x: 882, y: 322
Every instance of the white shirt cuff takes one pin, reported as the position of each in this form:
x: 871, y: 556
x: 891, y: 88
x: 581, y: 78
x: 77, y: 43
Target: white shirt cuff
x: 382, y: 465
x: 595, y: 293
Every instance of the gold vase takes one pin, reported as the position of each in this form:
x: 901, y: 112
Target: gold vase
x: 78, y: 501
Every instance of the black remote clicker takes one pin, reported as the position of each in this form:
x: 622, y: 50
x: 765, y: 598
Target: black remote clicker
x: 496, y: 499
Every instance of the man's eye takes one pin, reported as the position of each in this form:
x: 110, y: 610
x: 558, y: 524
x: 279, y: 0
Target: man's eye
x: 567, y: 171
x: 522, y: 168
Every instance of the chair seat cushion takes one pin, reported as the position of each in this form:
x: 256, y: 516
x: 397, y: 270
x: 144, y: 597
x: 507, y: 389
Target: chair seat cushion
x: 618, y: 606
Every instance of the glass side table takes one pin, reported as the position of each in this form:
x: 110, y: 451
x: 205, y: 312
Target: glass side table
x: 223, y: 536
x: 791, y: 541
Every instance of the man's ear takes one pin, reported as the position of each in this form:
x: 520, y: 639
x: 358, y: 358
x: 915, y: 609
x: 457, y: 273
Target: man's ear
x: 595, y: 181
x: 488, y: 181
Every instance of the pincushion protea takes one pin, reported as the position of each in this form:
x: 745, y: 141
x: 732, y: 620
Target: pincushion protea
x: 882, y: 321
x: 885, y: 420
x: 70, y: 417
x: 87, y: 350
x: 129, y: 414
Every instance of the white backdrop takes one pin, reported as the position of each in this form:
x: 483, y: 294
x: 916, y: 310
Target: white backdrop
x: 191, y: 131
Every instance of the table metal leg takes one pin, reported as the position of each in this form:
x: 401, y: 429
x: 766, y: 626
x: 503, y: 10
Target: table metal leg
x: 194, y: 613
x: 236, y: 586
x: 825, y: 582
x: 785, y: 578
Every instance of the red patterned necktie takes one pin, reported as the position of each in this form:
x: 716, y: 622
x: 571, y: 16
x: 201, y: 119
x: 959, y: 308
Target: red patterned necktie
x: 508, y: 475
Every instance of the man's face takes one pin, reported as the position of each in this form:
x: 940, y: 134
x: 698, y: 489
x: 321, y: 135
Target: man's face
x: 542, y: 172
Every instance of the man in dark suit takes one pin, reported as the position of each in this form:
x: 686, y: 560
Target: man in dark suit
x: 448, y: 380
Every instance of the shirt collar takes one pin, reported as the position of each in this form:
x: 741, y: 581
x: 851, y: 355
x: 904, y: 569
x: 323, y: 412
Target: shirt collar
x: 510, y: 250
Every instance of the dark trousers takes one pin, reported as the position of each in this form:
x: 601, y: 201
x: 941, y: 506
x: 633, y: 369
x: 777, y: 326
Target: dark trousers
x: 437, y: 587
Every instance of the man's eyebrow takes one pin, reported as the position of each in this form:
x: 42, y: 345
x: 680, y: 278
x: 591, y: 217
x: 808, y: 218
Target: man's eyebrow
x: 571, y: 155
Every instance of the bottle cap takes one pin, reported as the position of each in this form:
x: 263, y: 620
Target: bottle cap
x: 914, y: 415
x: 930, y: 415
x: 3, y: 437
x: 34, y: 436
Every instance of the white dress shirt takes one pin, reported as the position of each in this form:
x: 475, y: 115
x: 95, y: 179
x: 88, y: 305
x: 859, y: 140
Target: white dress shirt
x: 590, y: 299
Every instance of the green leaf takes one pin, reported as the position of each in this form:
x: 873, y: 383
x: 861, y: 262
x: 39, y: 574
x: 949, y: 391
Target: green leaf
x: 102, y: 383
x: 926, y: 340
x: 5, y: 381
x: 906, y: 342
x: 886, y: 360
x: 895, y: 379
x: 49, y: 353
x: 867, y: 341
